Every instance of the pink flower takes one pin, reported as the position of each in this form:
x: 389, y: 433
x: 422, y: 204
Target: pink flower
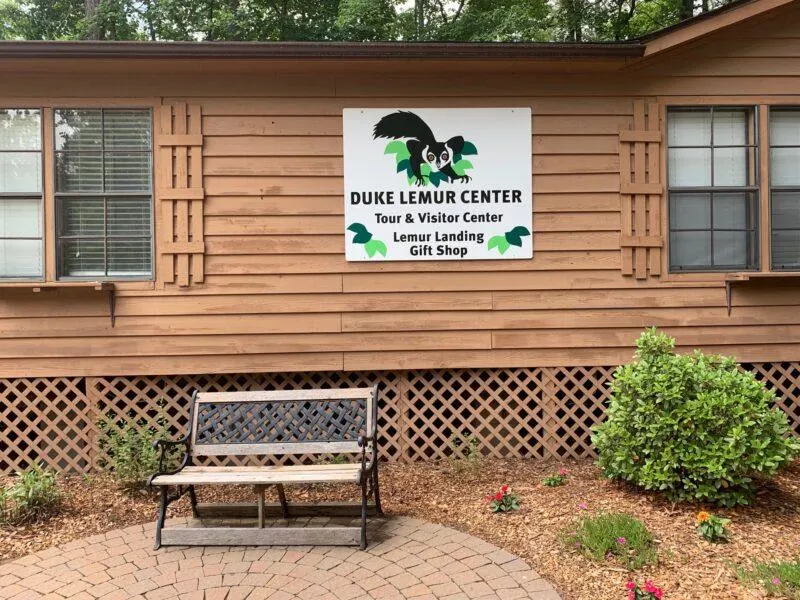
x: 631, y: 595
x: 583, y: 506
x: 622, y: 541
x: 631, y: 585
x: 577, y: 544
x: 651, y: 588
x: 563, y: 472
x: 776, y: 581
x: 504, y: 489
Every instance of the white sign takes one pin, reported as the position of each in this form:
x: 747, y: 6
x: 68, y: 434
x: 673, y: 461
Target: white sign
x: 437, y: 184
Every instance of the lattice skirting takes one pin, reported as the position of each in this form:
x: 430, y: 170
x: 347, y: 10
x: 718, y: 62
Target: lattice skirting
x: 532, y: 412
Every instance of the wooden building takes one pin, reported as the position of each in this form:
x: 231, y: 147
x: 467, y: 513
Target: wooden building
x: 193, y: 234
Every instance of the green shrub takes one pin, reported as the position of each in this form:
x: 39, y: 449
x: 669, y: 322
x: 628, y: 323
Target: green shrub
x: 693, y: 427
x: 781, y: 579
x: 465, y: 453
x: 613, y: 534
x: 129, y: 446
x: 32, y: 495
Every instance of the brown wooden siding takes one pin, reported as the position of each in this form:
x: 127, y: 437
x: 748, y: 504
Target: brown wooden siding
x: 277, y: 294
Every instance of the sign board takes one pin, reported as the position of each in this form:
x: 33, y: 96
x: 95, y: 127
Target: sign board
x: 437, y: 184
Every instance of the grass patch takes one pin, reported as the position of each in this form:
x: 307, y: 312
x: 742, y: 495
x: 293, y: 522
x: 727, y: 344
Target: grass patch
x: 781, y: 579
x: 616, y: 536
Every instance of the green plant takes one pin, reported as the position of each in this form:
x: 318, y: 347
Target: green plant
x: 712, y: 527
x: 465, y: 454
x: 33, y: 494
x: 503, y: 501
x: 129, y: 446
x: 616, y: 535
x: 693, y: 427
x: 556, y: 480
x: 402, y: 159
x: 510, y: 238
x: 649, y: 591
x: 339, y: 459
x: 781, y: 579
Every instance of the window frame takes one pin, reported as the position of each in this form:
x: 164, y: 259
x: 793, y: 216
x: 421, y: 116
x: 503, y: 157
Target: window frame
x: 29, y: 196
x: 772, y: 188
x: 754, y: 155
x: 103, y: 195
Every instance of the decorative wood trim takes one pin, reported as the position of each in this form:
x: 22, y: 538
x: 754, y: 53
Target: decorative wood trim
x: 641, y: 192
x: 181, y: 140
x: 183, y: 248
x: 641, y: 241
x: 181, y: 194
x: 631, y: 189
x: 629, y: 136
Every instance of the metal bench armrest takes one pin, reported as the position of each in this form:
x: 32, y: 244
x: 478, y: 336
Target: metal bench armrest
x: 163, y: 445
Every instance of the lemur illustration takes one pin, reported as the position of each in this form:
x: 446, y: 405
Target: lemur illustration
x: 421, y: 144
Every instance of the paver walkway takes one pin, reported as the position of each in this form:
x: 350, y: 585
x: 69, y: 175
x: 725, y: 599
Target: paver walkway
x: 407, y: 559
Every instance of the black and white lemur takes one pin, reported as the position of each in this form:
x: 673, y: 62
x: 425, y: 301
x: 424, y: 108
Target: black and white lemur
x: 421, y: 144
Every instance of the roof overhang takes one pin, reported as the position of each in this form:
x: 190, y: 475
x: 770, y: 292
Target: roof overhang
x: 317, y: 51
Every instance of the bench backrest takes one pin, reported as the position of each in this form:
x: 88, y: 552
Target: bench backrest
x: 282, y: 422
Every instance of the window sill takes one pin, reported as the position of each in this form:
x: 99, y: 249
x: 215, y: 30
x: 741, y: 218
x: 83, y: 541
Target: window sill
x: 756, y: 277
x: 108, y: 287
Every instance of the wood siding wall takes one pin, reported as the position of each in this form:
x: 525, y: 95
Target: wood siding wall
x: 274, y: 291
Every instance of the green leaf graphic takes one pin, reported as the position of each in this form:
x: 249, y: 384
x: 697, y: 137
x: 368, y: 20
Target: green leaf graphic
x: 362, y: 237
x: 357, y: 228
x: 469, y: 149
x: 514, y: 236
x: 437, y: 177
x: 499, y: 242
x: 461, y: 166
x: 425, y: 170
x: 374, y: 246
x: 398, y: 148
x: 520, y: 230
x: 403, y: 165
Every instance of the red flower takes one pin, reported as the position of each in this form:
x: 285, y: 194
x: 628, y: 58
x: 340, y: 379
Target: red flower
x: 653, y: 589
x: 498, y: 496
x: 488, y: 498
x: 631, y: 585
x: 504, y: 489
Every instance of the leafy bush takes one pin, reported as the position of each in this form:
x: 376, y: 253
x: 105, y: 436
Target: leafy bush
x: 781, y: 579
x: 693, y: 427
x: 129, y: 446
x: 465, y: 453
x: 33, y: 494
x: 617, y: 535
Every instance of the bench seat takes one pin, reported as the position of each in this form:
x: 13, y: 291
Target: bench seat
x: 266, y: 475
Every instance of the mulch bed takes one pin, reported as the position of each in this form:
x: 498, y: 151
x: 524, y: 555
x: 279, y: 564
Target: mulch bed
x: 689, y: 568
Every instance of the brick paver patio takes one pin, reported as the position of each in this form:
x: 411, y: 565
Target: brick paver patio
x: 407, y: 559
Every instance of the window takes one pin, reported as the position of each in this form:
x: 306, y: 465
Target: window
x: 103, y: 188
x: 712, y: 165
x: 784, y: 155
x: 21, y: 247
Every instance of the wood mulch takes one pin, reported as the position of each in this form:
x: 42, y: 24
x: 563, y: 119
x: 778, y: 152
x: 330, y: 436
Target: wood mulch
x: 689, y: 568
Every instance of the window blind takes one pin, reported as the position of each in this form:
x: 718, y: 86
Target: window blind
x: 104, y: 191
x: 712, y: 199
x: 784, y: 129
x: 21, y: 242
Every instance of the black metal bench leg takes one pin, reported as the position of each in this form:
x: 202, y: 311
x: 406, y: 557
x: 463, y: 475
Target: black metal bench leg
x: 376, y: 489
x: 363, y: 513
x: 193, y: 500
x: 162, y: 514
x: 282, y: 498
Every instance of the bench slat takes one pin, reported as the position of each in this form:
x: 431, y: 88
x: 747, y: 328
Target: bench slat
x: 278, y: 536
x: 286, y: 396
x: 274, y: 448
x: 264, y: 476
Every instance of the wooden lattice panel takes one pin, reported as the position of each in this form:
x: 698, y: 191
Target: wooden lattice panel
x: 45, y: 421
x: 526, y: 412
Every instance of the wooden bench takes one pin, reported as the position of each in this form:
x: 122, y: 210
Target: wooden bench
x: 303, y: 422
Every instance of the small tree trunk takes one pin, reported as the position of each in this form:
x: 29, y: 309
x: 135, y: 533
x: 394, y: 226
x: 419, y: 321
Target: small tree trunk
x: 92, y: 22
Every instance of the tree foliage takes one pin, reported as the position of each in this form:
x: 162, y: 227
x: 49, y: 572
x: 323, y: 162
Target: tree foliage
x: 351, y: 20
